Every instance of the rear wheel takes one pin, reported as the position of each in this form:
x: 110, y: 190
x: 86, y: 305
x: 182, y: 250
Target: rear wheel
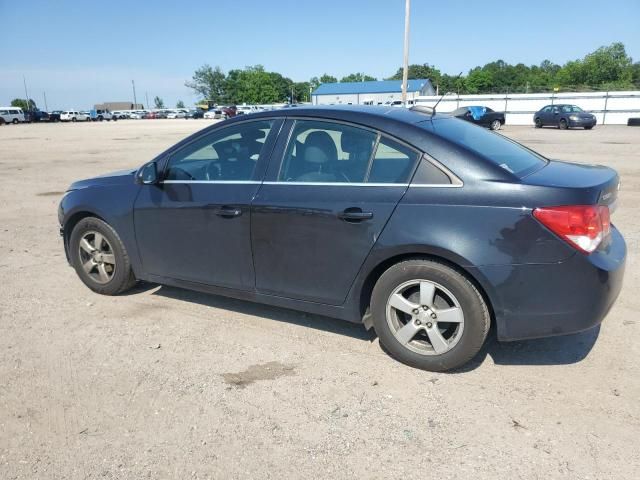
x: 538, y: 123
x: 428, y: 315
x: 588, y: 128
x: 495, y: 125
x: 563, y: 125
x: 100, y: 258
x: 74, y: 119
x: 15, y: 121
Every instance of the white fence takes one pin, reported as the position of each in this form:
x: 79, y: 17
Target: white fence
x: 610, y: 108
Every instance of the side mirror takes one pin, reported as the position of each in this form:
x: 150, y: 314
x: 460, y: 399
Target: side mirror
x: 148, y: 174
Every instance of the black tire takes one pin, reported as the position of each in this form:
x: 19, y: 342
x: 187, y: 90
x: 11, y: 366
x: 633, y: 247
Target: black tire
x: 73, y: 119
x: 563, y: 125
x: 495, y: 125
x: 123, y: 278
x: 2, y: 122
x: 100, y: 118
x: 538, y: 123
x: 588, y: 128
x: 15, y: 121
x: 476, y: 314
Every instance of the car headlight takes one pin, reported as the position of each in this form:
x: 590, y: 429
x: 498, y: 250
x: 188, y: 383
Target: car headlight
x: 574, y: 117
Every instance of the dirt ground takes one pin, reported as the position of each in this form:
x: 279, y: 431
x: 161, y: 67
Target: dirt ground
x: 167, y: 383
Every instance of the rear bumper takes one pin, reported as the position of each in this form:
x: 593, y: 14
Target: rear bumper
x: 532, y: 301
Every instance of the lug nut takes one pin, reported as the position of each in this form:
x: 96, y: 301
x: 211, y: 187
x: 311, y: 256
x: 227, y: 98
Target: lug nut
x: 429, y: 324
x: 424, y: 307
x: 416, y: 311
x: 418, y: 322
x: 433, y: 315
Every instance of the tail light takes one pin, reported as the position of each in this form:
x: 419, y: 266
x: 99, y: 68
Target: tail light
x: 582, y: 226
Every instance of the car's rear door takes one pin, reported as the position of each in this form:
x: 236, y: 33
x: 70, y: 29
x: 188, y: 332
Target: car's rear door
x: 195, y: 224
x: 322, y: 207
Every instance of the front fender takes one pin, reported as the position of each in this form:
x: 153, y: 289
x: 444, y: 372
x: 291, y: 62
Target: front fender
x: 111, y: 203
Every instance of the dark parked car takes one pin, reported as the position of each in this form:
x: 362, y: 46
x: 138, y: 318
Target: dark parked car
x: 230, y: 112
x: 425, y: 227
x: 194, y: 114
x: 36, y: 116
x: 55, y: 116
x: 482, y: 116
x: 564, y: 117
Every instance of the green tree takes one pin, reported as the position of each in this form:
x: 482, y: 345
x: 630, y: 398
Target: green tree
x: 325, y: 78
x: 416, y: 71
x: 208, y: 82
x: 357, y: 77
x: 256, y: 85
x: 301, y: 92
x: 635, y: 74
x: 314, y: 82
x: 23, y: 104
x: 180, y: 104
x: 159, y: 103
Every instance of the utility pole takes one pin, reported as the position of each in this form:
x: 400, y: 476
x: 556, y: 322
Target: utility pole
x: 46, y: 108
x: 26, y: 94
x: 135, y: 101
x: 405, y: 65
x: 146, y: 96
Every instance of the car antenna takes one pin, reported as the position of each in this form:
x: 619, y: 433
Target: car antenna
x: 432, y: 110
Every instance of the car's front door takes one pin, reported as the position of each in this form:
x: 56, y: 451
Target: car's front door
x: 195, y: 224
x: 322, y: 207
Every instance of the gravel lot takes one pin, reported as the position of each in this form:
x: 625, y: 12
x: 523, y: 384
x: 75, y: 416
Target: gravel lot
x: 166, y: 383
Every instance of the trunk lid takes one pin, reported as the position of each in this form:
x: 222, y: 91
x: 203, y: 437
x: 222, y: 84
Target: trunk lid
x: 576, y: 184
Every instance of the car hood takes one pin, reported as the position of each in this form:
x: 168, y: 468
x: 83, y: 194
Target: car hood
x: 121, y: 177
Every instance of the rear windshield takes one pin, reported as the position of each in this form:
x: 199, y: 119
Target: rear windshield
x: 500, y: 150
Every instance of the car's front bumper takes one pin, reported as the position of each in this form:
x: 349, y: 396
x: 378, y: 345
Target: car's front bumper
x: 532, y: 301
x: 583, y: 122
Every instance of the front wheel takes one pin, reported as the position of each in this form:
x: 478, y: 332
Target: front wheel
x: 15, y: 121
x: 588, y: 128
x: 495, y: 125
x: 428, y: 315
x: 563, y: 125
x: 100, y: 258
x: 538, y: 123
x: 73, y: 119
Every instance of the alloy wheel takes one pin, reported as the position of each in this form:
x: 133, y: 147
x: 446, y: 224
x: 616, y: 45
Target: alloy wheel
x: 97, y: 257
x: 425, y: 317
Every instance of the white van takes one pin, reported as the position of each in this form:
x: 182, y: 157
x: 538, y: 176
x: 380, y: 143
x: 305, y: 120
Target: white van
x: 12, y: 114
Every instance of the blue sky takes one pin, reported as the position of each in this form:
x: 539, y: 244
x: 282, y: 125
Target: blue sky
x: 86, y: 52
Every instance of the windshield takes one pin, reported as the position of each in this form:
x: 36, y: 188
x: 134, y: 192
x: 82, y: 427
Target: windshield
x: 496, y: 148
x: 571, y: 108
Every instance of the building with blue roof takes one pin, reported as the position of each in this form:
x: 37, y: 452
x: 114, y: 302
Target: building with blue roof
x: 370, y: 93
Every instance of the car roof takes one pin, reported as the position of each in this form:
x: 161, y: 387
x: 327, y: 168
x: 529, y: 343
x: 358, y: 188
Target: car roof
x: 374, y: 113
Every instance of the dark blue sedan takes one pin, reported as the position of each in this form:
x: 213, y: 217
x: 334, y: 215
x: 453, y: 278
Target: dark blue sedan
x: 422, y: 226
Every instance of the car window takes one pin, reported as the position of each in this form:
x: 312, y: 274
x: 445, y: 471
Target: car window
x: 501, y: 151
x: 230, y: 154
x: 547, y: 109
x: 328, y: 152
x: 576, y: 109
x: 566, y: 109
x: 393, y: 162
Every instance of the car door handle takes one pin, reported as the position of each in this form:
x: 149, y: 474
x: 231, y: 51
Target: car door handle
x: 228, y: 212
x: 354, y: 215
